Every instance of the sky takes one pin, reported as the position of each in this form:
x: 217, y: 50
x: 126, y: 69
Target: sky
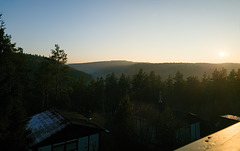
x: 154, y: 31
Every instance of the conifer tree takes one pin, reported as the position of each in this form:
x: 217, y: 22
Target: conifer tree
x: 59, y: 58
x: 12, y: 73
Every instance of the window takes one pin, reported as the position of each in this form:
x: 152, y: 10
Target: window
x: 59, y: 146
x: 66, y: 146
x: 45, y: 148
x: 71, y: 146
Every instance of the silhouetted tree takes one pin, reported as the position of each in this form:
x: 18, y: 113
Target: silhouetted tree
x: 139, y: 86
x: 12, y: 73
x: 111, y: 93
x: 178, y: 89
x: 60, y: 71
x: 191, y: 92
x: 45, y: 81
x: 124, y: 86
x: 97, y: 95
x: 123, y: 124
x: 80, y: 94
x: 154, y: 87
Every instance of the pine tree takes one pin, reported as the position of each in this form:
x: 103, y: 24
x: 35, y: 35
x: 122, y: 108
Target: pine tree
x: 12, y: 73
x: 60, y: 71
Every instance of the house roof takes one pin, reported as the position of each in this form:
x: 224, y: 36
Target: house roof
x: 78, y: 119
x: 46, y: 124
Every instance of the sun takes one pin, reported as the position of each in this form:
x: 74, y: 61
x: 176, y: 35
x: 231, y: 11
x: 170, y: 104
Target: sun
x: 222, y: 54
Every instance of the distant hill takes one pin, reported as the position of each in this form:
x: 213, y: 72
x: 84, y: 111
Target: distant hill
x: 94, y: 67
x: 97, y: 69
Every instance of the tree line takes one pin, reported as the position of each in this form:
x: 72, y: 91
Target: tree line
x: 218, y: 91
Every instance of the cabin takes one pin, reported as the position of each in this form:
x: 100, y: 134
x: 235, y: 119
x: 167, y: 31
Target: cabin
x: 189, y: 130
x: 55, y: 130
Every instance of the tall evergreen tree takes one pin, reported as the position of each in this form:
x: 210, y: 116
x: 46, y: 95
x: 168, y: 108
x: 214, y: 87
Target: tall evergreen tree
x: 96, y: 95
x: 60, y: 71
x: 154, y: 86
x: 124, y: 86
x: 139, y: 86
x: 111, y: 92
x: 12, y: 73
x: 45, y: 82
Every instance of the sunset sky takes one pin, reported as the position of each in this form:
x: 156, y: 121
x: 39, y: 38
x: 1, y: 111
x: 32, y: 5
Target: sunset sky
x: 135, y: 30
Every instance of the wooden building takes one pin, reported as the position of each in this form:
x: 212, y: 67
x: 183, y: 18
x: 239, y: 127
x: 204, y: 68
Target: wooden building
x: 190, y: 129
x: 53, y: 130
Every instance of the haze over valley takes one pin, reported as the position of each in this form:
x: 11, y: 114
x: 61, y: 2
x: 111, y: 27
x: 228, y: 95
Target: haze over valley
x: 98, y: 69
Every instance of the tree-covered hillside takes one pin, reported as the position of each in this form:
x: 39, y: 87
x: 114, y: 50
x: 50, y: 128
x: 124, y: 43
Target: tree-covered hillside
x: 34, y: 61
x: 98, y: 69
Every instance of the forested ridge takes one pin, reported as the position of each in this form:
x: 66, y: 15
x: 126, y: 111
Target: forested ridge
x: 98, y: 69
x: 30, y: 84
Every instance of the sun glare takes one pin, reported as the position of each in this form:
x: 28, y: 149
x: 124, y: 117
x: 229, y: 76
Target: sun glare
x: 222, y: 54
